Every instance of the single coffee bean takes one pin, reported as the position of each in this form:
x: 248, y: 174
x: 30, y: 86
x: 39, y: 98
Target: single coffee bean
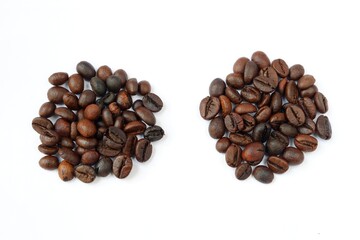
x: 86, y: 70
x: 291, y: 92
x: 109, y: 98
x: 106, y: 151
x: 251, y: 94
x: 235, y: 80
x: 107, y: 117
x: 76, y: 83
x: 288, y: 130
x: 323, y: 127
x: 47, y: 110
x: 275, y: 102
x: 253, y: 152
x: 265, y: 84
x: 146, y: 115
x: 308, y: 127
x: 296, y: 72
x: 130, y: 144
x: 71, y: 101
x: 263, y: 174
x: 86, y: 128
x: 132, y: 86
x: 217, y: 127
x: 222, y: 144
x: 41, y: 124
x: 309, y: 92
x: 153, y: 102
x: 87, y: 143
x: 65, y: 113
x: 144, y: 87
x: 263, y: 114
x: 308, y: 106
x: 277, y: 119
x: 122, y: 166
x: 249, y: 122
x: 104, y: 166
x: 282, y: 85
x: 261, y: 59
x: 233, y: 95
x: 269, y: 72
x: 114, y: 109
x: 120, y: 73
x: 305, y: 82
x: 117, y: 136
x: 244, y: 108
x: 143, y: 150
x: 66, y: 171
x: 92, y: 112
x: 55, y: 94
x: 276, y: 143
x: 154, y: 133
x: 293, y: 156
x: 90, y: 157
x: 217, y: 87
x: 135, y: 127
x: 243, y: 171
x: 69, y: 155
x: 49, y: 162
x: 251, y: 71
x: 48, y: 150
x: 73, y: 130
x: 295, y: 115
x: 85, y: 173
x: 98, y: 86
x: 226, y: 105
x: 265, y: 100
x: 233, y: 122
x: 86, y: 98
x: 66, y: 142
x: 277, y: 164
x: 119, y: 122
x: 233, y: 155
x: 241, y: 139
x: 58, y: 78
x: 239, y: 65
x: 49, y: 137
x: 124, y: 100
x: 130, y: 116
x: 209, y: 107
x: 306, y: 143
x: 104, y: 72
x: 113, y: 84
x: 321, y: 102
x: 261, y: 132
x: 280, y: 67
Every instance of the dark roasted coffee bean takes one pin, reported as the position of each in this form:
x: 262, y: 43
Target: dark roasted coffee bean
x: 87, y: 143
x: 291, y: 92
x: 124, y: 100
x: 293, y: 156
x: 85, y: 173
x: 321, y: 102
x: 98, y: 86
x: 280, y: 67
x: 65, y: 113
x: 69, y: 155
x: 119, y: 122
x: 282, y: 85
x: 233, y: 95
x: 48, y: 150
x: 251, y: 94
x: 249, y: 122
x: 244, y: 108
x: 222, y: 144
x: 109, y: 98
x: 135, y: 127
x: 122, y: 75
x: 243, y: 171
x: 217, y: 127
x: 146, y: 115
x: 276, y: 102
x: 66, y: 142
x: 235, y: 80
x: 309, y: 92
x: 153, y: 102
x: 305, y: 82
x: 154, y: 133
x: 253, y: 152
x: 92, y: 112
x: 308, y: 106
x: 209, y: 107
x: 106, y: 151
x: 241, y: 139
x: 71, y: 101
x: 87, y: 97
x: 323, y: 127
x: 104, y: 167
x: 277, y: 164
x: 263, y: 174
x: 277, y: 119
x: 132, y: 86
x: 296, y: 72
x: 76, y: 83
x: 66, y: 171
x: 239, y: 65
x: 104, y: 72
x: 90, y: 157
x: 143, y: 150
x: 55, y: 94
x: 263, y: 114
x: 47, y: 110
x: 49, y: 137
x: 217, y: 87
x: 308, y: 127
x: 288, y: 130
x: 295, y: 115
x: 58, y: 78
x: 129, y: 147
x: 113, y: 83
x: 122, y: 166
x: 226, y: 105
x: 306, y: 143
x: 233, y: 155
x: 130, y: 116
x: 49, y: 162
x: 233, y: 122
x: 251, y: 70
x: 86, y: 70
x: 261, y: 59
x: 261, y: 132
x: 144, y: 87
x: 116, y: 135
x: 41, y: 124
x: 276, y: 143
x: 265, y: 84
x: 265, y: 100
x: 86, y: 128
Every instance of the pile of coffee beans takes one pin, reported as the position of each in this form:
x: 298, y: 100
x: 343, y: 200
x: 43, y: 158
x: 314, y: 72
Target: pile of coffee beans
x: 93, y: 132
x: 260, y: 111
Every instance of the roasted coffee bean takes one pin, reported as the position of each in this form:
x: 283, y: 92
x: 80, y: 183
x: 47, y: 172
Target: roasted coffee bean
x: 92, y: 112
x: 253, y: 152
x: 276, y: 143
x: 288, y: 130
x: 124, y: 100
x: 135, y: 127
x: 291, y: 92
x: 226, y: 105
x: 114, y: 109
x: 261, y: 59
x: 98, y: 86
x: 241, y: 139
x: 243, y: 108
x: 308, y: 106
x: 132, y: 86
x: 235, y: 80
x: 66, y: 171
x: 323, y: 127
x: 80, y: 150
x: 55, y: 94
x: 263, y: 174
x: 243, y: 171
x: 265, y: 84
x: 129, y: 147
x: 116, y: 135
x: 109, y: 98
x: 49, y: 162
x: 86, y: 128
x: 104, y: 72
x: 119, y: 122
x: 58, y: 78
x: 263, y: 114
x: 321, y: 102
x: 282, y: 85
x: 251, y: 70
x: 146, y: 115
x: 85, y: 173
x: 280, y: 67
x: 107, y: 117
x: 122, y: 166
x: 47, y: 110
x: 65, y: 113
x: 120, y: 73
x: 269, y: 72
x: 73, y: 130
x: 233, y: 155
x: 154, y: 133
x: 76, y: 83
x: 217, y: 127
x: 41, y: 124
x: 305, y: 82
x: 277, y: 164
x: 239, y: 65
x: 113, y: 83
x: 277, y: 119
x: 222, y: 144
x: 106, y: 151
x: 293, y: 156
x: 71, y: 101
x: 209, y: 107
x: 217, y: 87
x: 86, y: 98
x: 66, y: 142
x: 306, y: 143
x: 86, y: 70
x: 261, y: 132
x: 87, y: 143
x: 144, y: 87
x: 249, y: 122
x: 309, y: 92
x: 308, y: 127
x: 69, y: 155
x: 265, y: 100
x: 104, y: 166
x: 153, y: 102
x: 49, y: 137
x: 295, y: 115
x: 233, y: 95
x: 276, y: 102
x: 296, y: 72
x: 90, y: 157
x: 251, y: 94
x: 233, y: 122
x: 143, y: 150
x: 130, y: 116
x: 48, y: 150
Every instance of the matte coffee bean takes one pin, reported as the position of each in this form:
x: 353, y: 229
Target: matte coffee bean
x: 253, y: 152
x: 90, y: 157
x: 130, y: 144
x: 217, y: 87
x: 69, y: 155
x: 222, y: 144
x: 130, y: 116
x: 124, y: 100
x: 104, y: 72
x: 233, y: 95
x: 146, y: 115
x: 233, y: 155
x: 280, y: 67
x: 308, y: 106
x: 135, y: 127
x: 295, y: 115
x: 308, y: 127
x: 104, y: 167
x: 275, y: 102
x: 233, y: 122
x: 154, y: 133
x: 261, y: 59
x: 86, y: 128
x: 132, y: 86
x: 309, y: 92
x: 296, y: 72
x: 226, y: 105
x: 85, y: 173
x: 251, y: 94
x: 323, y: 127
x: 86, y: 70
x: 235, y: 80
x: 291, y: 92
x: 239, y: 65
x: 288, y: 130
x: 241, y: 139
x: 265, y: 84
x: 122, y: 166
x: 107, y: 117
x: 243, y: 171
x: 261, y: 132
x: 41, y: 124
x: 55, y: 94
x: 66, y: 142
x: 49, y: 137
x: 87, y: 143
x: 47, y: 110
x: 120, y: 73
x: 144, y: 87
x: 113, y: 83
x: 251, y: 71
x: 264, y: 101
x: 249, y: 122
x: 263, y: 174
x: 321, y: 102
x: 86, y: 98
x: 305, y: 82
x: 306, y: 143
x: 263, y: 114
x: 293, y: 156
x: 76, y: 83
x: 209, y: 107
x: 217, y: 127
x: 277, y: 164
x: 276, y: 143
x: 92, y: 112
x: 65, y: 113
x: 48, y: 150
x: 71, y: 101
x: 243, y: 108
x: 58, y: 78
x: 66, y: 171
x: 98, y: 86
x: 49, y: 162
x: 143, y: 150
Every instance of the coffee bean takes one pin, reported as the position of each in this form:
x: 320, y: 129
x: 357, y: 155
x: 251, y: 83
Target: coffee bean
x: 76, y: 83
x: 276, y: 143
x: 135, y: 127
x: 114, y: 109
x: 90, y: 157
x: 305, y: 143
x: 277, y: 119
x: 69, y: 155
x: 263, y: 174
x: 288, y: 130
x: 253, y: 152
x: 309, y: 92
x: 124, y: 100
x: 222, y: 144
x: 226, y: 105
x: 217, y: 127
x: 269, y: 72
x: 154, y: 133
x: 277, y: 164
x: 119, y: 122
x: 86, y: 70
x: 49, y: 162
x: 107, y: 117
x: 47, y: 110
x: 243, y: 171
x: 233, y: 155
x: 217, y: 87
x: 265, y: 100
x: 263, y: 114
x: 144, y: 87
x: 233, y: 122
x: 261, y: 132
x: 104, y: 166
x: 85, y: 173
x: 120, y: 73
x: 233, y: 95
x: 98, y: 86
x: 321, y: 102
x: 130, y: 144
x: 104, y: 72
x: 65, y: 113
x: 132, y: 86
x: 49, y: 137
x: 66, y: 171
x: 235, y: 80
x: 92, y: 112
x: 86, y: 128
x: 41, y: 124
x: 251, y: 71
x: 305, y: 82
x: 251, y: 94
x: 209, y: 107
x: 243, y: 108
x: 293, y: 156
x: 241, y: 139
x: 130, y: 116
x: 323, y: 127
x: 265, y: 84
x: 113, y: 83
x: 143, y: 150
x: 296, y: 72
x: 55, y: 94
x: 295, y: 115
x: 249, y: 122
x: 280, y: 67
x: 109, y: 98
x: 73, y: 130
x: 308, y: 127
x: 122, y: 166
x: 106, y: 151
x: 291, y: 92
x: 48, y: 150
x: 71, y: 101
x: 86, y: 98
x: 239, y: 65
x: 58, y: 78
x: 66, y: 142
x: 261, y: 59
x: 308, y: 106
x: 276, y: 102
x: 146, y: 115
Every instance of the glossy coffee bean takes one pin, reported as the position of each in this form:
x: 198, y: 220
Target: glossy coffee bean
x: 135, y: 127
x: 55, y: 94
x: 233, y: 122
x: 217, y: 87
x: 104, y: 167
x: 261, y: 59
x: 71, y: 101
x: 276, y: 143
x: 154, y: 133
x: 76, y: 83
x: 295, y: 115
x: 226, y: 105
x: 86, y: 70
x: 62, y: 127
x: 119, y: 122
x: 233, y: 95
x: 49, y: 138
x: 244, y: 108
x: 49, y: 162
x: 48, y: 150
x: 321, y: 102
x: 291, y: 92
x: 87, y: 143
x: 249, y: 122
x: 41, y: 124
x: 152, y: 102
x: 265, y: 100
x: 222, y: 144
x: 241, y: 139
x: 293, y: 156
x: 90, y: 157
x: 275, y: 102
x: 130, y: 116
x: 282, y: 85
x: 130, y: 144
x: 86, y: 128
x: 132, y: 86
x: 47, y: 110
x: 143, y: 150
x: 280, y: 67
x: 122, y: 166
x: 239, y: 65
x: 124, y: 100
x: 261, y: 132
x: 217, y: 127
x: 66, y: 171
x: 146, y: 115
x: 58, y: 78
x: 277, y: 164
x: 263, y: 174
x: 86, y: 98
x: 98, y: 86
x: 251, y: 70
x: 92, y: 112
x: 106, y: 151
x: 235, y: 80
x: 209, y: 107
x: 243, y: 171
x: 251, y: 94
x: 104, y: 72
x: 308, y: 106
x: 288, y: 130
x: 233, y: 155
x: 263, y: 114
x: 277, y: 119
x: 323, y: 127
x: 305, y: 82
x: 308, y: 127
x: 253, y: 152
x: 296, y: 72
x: 306, y: 143
x: 144, y: 87
x: 85, y: 173
x: 65, y: 113
x: 113, y: 84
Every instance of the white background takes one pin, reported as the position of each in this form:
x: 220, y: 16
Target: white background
x: 186, y: 190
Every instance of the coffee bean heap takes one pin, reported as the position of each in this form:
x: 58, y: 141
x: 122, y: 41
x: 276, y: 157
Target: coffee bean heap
x: 260, y: 110
x: 94, y: 131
